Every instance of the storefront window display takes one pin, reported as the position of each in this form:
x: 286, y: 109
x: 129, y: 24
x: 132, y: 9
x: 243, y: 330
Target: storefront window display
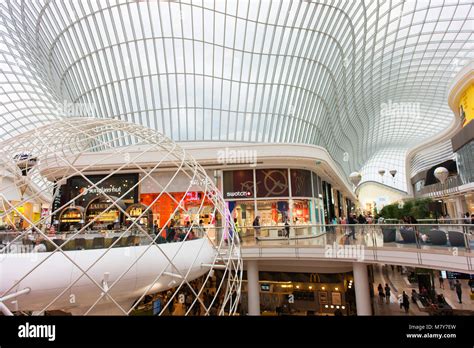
x: 301, y: 215
x: 70, y: 218
x: 272, y: 213
x: 287, y: 188
x: 244, y: 212
x: 102, y: 215
x: 140, y: 214
x: 17, y: 219
x: 165, y: 208
x: 301, y: 211
x: 96, y: 200
x: 181, y: 202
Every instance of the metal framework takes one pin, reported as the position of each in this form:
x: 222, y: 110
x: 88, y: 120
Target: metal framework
x: 365, y: 79
x: 56, y: 149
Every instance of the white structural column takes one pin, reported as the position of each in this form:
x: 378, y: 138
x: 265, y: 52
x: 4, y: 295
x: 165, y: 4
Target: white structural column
x: 253, y: 288
x: 361, y: 284
x: 460, y: 208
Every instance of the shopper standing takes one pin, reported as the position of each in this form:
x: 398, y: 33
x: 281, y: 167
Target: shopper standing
x: 387, y: 293
x: 441, y: 281
x: 381, y: 293
x: 237, y: 229
x: 405, y: 302
x: 170, y: 232
x: 458, y: 288
x: 287, y: 229
x: 256, y: 226
x: 351, y: 222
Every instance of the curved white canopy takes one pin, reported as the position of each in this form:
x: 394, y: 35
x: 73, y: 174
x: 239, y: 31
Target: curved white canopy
x: 365, y: 79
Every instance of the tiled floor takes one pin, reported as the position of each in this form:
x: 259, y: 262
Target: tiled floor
x: 399, y: 283
x: 452, y: 298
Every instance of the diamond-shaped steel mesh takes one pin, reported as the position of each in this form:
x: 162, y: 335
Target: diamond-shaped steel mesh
x: 117, y: 277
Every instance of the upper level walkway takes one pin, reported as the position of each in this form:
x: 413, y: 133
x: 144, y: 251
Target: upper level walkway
x: 435, y: 246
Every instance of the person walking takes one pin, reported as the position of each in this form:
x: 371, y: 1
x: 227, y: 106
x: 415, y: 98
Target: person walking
x: 238, y: 230
x: 157, y: 306
x: 405, y: 302
x: 387, y: 293
x: 287, y: 228
x: 458, y: 288
x: 256, y: 226
x: 381, y: 293
x: 441, y: 281
x: 40, y: 247
x: 471, y: 284
x: 351, y: 222
x: 170, y: 232
x: 201, y: 229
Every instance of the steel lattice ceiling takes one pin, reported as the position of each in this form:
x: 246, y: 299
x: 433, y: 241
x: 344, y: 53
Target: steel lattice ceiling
x: 314, y: 72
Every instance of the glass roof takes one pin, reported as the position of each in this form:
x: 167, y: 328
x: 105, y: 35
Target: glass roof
x: 367, y: 80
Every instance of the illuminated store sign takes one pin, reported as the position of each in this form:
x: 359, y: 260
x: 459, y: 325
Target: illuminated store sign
x: 121, y: 185
x: 101, y: 190
x: 238, y: 184
x: 244, y: 194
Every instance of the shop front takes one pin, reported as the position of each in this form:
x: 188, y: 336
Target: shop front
x: 288, y: 293
x: 19, y: 214
x: 275, y: 195
x: 96, y: 204
x: 182, y: 202
x: 19, y: 205
x: 182, y: 207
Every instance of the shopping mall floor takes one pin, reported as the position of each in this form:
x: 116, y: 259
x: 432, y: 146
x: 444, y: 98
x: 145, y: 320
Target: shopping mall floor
x: 383, y: 274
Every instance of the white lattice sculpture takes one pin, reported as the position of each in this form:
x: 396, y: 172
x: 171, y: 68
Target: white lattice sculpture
x: 87, y: 271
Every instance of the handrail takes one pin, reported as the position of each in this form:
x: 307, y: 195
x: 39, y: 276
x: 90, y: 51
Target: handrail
x: 438, y: 189
x: 416, y: 238
x: 279, y: 225
x: 375, y: 237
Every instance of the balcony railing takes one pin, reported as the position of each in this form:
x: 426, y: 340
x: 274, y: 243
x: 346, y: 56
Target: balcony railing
x: 451, y: 185
x: 445, y: 237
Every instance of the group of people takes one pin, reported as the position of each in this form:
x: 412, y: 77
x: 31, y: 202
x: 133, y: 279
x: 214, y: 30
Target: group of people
x: 353, y: 219
x: 185, y: 302
x: 176, y: 233
x: 384, y: 297
x: 384, y: 293
x: 286, y: 222
x: 467, y: 218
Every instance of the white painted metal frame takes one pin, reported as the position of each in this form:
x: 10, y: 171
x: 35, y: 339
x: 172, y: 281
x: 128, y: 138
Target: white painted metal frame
x: 60, y: 144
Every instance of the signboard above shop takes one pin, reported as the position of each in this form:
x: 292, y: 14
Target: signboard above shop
x: 120, y: 185
x: 92, y: 196
x: 238, y: 184
x: 272, y: 182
